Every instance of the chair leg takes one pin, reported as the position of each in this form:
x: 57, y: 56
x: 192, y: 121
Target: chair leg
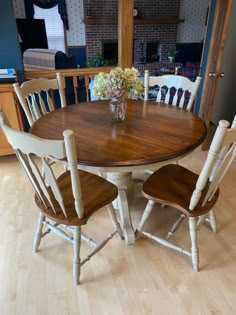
x: 175, y: 226
x: 76, y: 260
x: 38, y: 234
x: 212, y: 220
x: 194, y: 248
x: 115, y: 222
x: 145, y: 216
x: 201, y: 219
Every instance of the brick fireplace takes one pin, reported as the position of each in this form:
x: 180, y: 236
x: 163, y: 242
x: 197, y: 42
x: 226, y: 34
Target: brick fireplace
x: 151, y: 41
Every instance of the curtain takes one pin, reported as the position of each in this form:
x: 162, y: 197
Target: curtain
x: 47, y: 4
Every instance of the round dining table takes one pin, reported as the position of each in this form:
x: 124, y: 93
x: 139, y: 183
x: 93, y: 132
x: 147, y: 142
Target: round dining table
x: 151, y: 136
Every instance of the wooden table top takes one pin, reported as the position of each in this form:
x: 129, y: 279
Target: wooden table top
x: 151, y: 132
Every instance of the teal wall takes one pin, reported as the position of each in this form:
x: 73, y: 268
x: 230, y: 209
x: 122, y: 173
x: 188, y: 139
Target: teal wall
x: 10, y: 53
x: 205, y: 53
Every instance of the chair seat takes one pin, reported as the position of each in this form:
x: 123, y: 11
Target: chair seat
x: 96, y: 191
x: 173, y: 185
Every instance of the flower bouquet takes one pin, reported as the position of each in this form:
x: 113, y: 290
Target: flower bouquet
x: 114, y: 85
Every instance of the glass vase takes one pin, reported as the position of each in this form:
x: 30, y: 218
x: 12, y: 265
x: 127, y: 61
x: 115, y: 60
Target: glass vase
x: 117, y: 108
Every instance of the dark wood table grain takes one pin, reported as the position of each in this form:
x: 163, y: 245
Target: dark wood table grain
x: 152, y: 135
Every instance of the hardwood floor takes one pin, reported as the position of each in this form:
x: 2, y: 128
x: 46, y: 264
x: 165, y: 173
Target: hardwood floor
x: 141, y: 279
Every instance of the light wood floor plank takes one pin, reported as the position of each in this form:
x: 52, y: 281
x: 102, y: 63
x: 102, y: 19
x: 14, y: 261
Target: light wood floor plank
x: 141, y: 279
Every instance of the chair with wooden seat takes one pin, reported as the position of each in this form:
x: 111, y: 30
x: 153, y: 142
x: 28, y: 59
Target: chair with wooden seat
x: 65, y: 202
x: 171, y: 89
x: 37, y: 98
x: 194, y: 196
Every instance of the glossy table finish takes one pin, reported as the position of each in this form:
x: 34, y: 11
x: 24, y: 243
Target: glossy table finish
x: 151, y: 135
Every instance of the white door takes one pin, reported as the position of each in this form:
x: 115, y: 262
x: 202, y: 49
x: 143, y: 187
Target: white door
x: 225, y: 99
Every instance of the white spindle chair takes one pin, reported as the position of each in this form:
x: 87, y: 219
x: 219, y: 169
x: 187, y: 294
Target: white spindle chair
x: 36, y: 96
x: 194, y: 196
x: 173, y: 89
x: 66, y: 201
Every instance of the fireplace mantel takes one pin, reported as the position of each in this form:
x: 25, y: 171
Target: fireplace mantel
x: 157, y: 22
x: 161, y: 20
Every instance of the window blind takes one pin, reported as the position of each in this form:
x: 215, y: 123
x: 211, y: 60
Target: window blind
x: 54, y: 27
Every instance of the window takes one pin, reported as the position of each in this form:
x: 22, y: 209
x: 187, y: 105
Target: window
x: 54, y: 27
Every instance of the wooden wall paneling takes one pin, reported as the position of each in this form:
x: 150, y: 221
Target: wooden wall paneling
x: 125, y: 33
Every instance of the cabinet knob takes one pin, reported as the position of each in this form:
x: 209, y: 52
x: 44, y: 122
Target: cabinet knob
x: 221, y: 75
x: 212, y: 74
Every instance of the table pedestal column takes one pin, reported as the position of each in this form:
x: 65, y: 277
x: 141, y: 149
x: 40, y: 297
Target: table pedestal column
x: 125, y: 185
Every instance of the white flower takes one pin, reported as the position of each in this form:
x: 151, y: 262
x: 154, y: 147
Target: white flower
x: 117, y: 83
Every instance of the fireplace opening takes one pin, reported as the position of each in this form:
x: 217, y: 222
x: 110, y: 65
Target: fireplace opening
x: 152, y: 52
x: 110, y: 52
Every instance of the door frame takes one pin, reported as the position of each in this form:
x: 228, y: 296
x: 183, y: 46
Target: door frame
x: 211, y: 74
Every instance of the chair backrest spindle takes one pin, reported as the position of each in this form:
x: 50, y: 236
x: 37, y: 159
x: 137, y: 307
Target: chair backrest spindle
x: 220, y: 156
x: 72, y: 163
x: 30, y: 150
x: 37, y: 98
x: 172, y: 89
